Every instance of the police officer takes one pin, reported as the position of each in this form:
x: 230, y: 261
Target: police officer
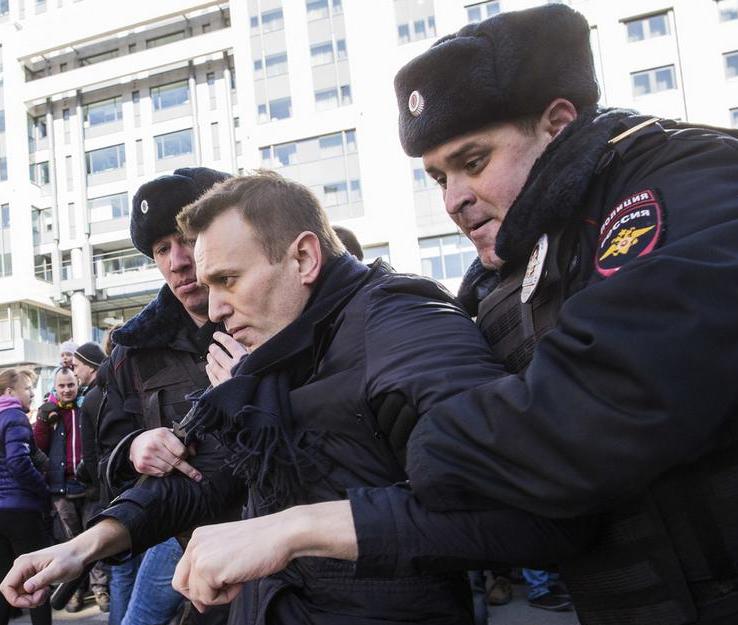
x: 607, y: 281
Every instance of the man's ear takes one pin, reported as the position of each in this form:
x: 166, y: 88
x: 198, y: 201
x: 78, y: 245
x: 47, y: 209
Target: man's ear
x: 557, y: 116
x: 305, y: 249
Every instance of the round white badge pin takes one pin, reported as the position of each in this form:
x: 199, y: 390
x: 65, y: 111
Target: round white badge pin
x: 534, y: 270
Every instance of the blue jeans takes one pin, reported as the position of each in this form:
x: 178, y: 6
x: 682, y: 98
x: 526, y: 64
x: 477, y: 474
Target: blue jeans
x: 154, y: 601
x: 122, y: 578
x: 537, y: 581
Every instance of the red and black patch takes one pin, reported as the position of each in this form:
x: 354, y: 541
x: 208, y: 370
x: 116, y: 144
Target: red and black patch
x: 631, y: 229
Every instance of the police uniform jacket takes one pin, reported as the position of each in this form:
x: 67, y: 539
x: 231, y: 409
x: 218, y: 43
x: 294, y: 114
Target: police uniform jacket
x: 622, y: 402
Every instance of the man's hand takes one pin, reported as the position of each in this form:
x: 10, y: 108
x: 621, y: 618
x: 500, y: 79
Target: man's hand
x: 220, y: 558
x: 220, y: 361
x: 158, y: 452
x: 27, y: 583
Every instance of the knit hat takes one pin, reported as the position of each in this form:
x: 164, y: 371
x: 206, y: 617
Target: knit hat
x: 156, y: 203
x: 511, y: 65
x: 91, y: 354
x: 68, y: 347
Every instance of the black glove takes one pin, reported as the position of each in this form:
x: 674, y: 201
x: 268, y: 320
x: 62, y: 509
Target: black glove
x: 48, y: 413
x: 396, y: 419
x: 82, y: 474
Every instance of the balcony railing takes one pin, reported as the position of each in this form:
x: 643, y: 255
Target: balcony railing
x: 121, y: 262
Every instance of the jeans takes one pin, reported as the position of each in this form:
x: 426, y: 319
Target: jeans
x: 537, y: 581
x: 154, y: 601
x: 122, y: 578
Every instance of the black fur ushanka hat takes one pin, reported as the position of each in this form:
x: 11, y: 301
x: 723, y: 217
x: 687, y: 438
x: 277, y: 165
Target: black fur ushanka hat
x: 156, y: 203
x: 508, y: 66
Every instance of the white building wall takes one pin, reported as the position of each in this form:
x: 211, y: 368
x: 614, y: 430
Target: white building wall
x: 398, y: 211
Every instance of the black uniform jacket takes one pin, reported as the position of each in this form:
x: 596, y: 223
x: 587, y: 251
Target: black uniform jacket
x: 636, y: 377
x: 398, y: 334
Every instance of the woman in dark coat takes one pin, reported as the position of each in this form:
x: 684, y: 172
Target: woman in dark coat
x: 24, y: 497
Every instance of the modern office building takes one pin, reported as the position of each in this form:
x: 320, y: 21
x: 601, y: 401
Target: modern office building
x: 96, y: 98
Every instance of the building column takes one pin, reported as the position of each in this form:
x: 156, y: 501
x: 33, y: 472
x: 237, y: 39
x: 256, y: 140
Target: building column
x: 81, y: 317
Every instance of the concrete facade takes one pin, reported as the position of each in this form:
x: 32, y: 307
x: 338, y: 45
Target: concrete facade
x: 97, y: 101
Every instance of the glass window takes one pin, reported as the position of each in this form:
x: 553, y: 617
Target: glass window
x: 341, y: 49
x: 648, y: 27
x: 165, y: 39
x: 350, y: 141
x: 420, y: 179
x: 734, y: 117
x: 39, y: 173
x: 2, y: 120
x: 276, y: 64
x: 372, y: 252
x: 167, y: 96
x: 254, y: 21
x: 174, y: 144
x: 331, y: 145
x: 97, y: 58
x: 285, y: 154
x: 316, y: 9
x: 731, y: 65
x: 403, y: 33
x: 447, y: 256
x: 4, y: 7
x: 105, y: 159
x: 653, y: 80
x: 727, y: 10
x: 280, y: 108
x: 419, y: 28
x: 326, y: 99
x: 3, y: 168
x: 481, y: 11
x: 258, y: 68
x: 103, y: 112
x: 345, y: 95
x: 272, y: 20
x: 108, y: 207
x: 335, y: 193
x: 337, y: 7
x: 5, y: 217
x: 321, y: 53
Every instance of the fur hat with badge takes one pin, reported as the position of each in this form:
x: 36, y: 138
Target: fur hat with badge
x: 156, y: 203
x: 511, y: 65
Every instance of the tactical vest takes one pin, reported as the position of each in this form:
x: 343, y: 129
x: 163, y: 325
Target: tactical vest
x: 669, y: 557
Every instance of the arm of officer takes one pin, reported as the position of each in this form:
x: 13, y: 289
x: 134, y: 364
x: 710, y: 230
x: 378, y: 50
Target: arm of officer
x: 126, y: 449
x: 27, y: 583
x: 628, y: 384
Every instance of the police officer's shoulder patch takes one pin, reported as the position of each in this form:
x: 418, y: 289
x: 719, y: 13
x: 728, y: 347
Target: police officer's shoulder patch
x: 631, y: 229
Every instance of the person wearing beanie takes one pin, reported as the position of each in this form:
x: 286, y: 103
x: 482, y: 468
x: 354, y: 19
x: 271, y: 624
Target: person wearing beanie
x: 158, y: 360
x: 88, y: 361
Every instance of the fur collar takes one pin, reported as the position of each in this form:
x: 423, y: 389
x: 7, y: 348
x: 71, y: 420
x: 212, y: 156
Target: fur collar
x: 554, y: 190
x: 157, y: 325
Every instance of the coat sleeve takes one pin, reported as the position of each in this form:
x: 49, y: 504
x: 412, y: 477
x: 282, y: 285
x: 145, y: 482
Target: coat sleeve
x: 629, y: 383
x: 121, y: 418
x: 427, y: 351
x: 398, y: 536
x: 424, y: 348
x: 158, y: 508
x: 18, y: 441
x: 42, y: 435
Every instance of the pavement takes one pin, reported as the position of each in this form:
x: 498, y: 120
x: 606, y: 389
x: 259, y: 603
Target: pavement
x: 517, y: 612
